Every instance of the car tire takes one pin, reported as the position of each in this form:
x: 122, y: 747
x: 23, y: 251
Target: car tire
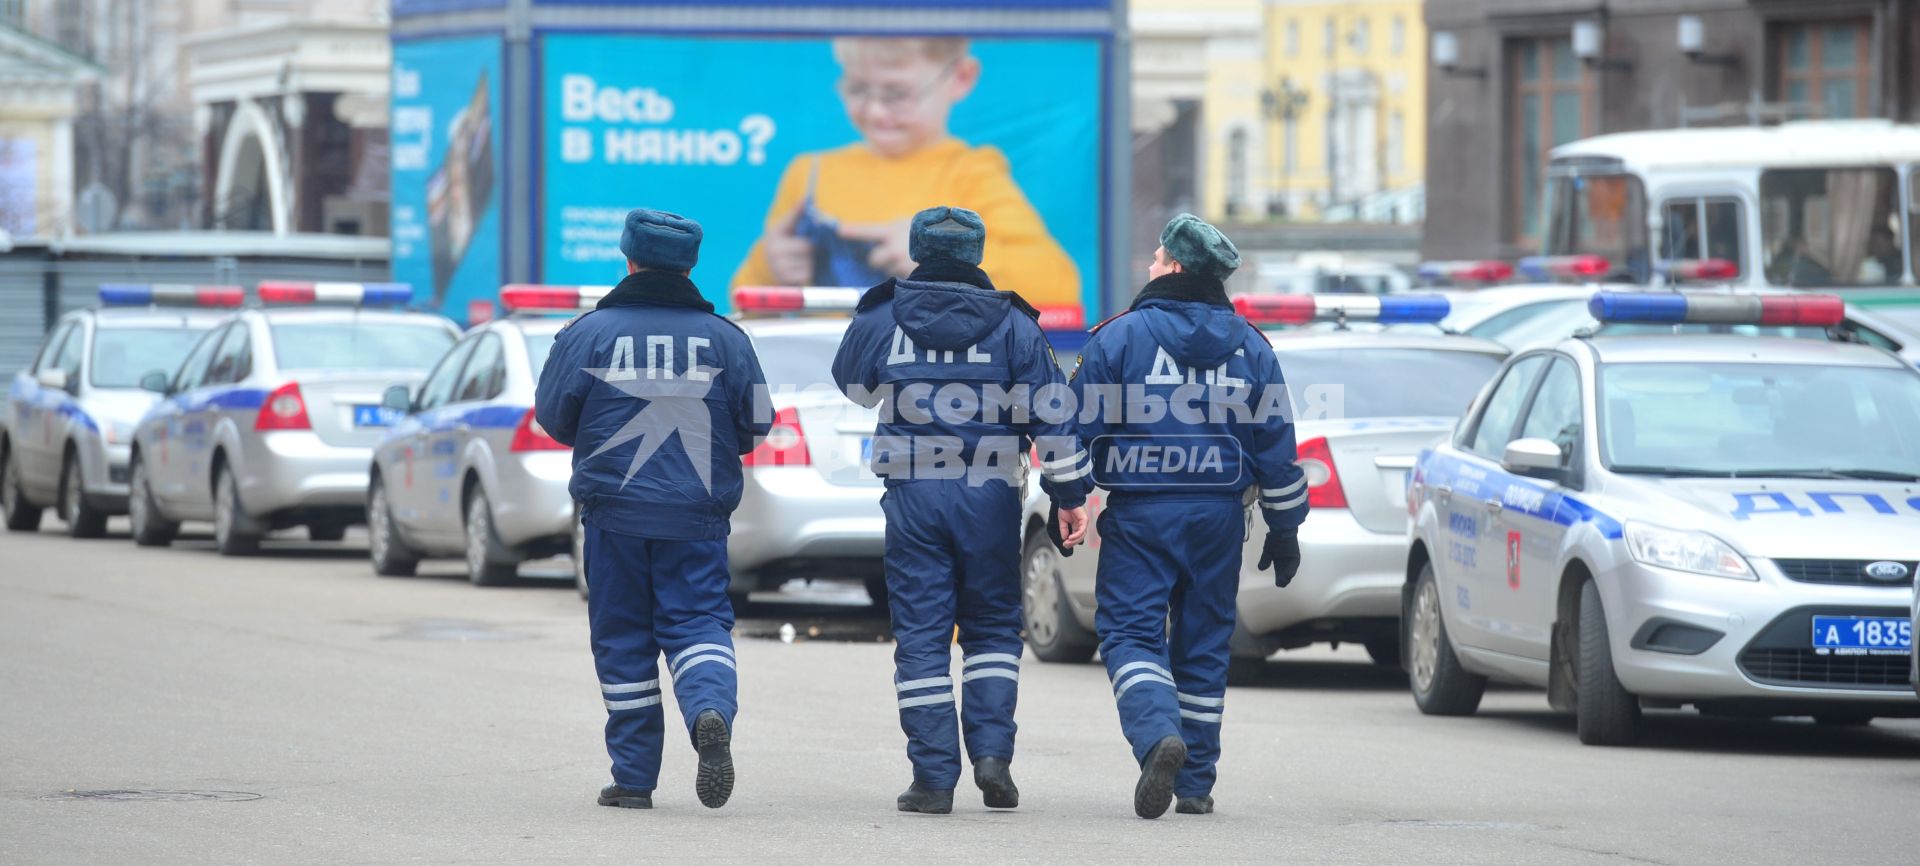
x: 1441, y: 685
x: 390, y: 554
x: 579, y: 553
x: 233, y: 532
x: 1605, y: 713
x: 150, y: 529
x: 22, y: 515
x: 82, y: 519
x: 489, y: 563
x: 1385, y: 651
x: 1049, y: 624
x: 326, y: 531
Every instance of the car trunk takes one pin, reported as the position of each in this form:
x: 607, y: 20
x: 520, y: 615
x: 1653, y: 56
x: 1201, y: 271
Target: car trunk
x: 1372, y: 458
x: 838, y: 435
x: 333, y: 399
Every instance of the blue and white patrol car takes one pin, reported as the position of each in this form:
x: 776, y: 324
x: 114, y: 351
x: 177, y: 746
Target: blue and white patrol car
x: 271, y: 420
x: 467, y: 471
x: 68, y: 425
x: 1637, y: 520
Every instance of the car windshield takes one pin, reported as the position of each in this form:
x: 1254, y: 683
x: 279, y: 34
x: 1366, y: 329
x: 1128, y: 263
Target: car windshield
x: 1373, y: 382
x: 538, y: 347
x: 359, y: 345
x: 121, y: 356
x: 1760, y: 419
x: 798, y: 359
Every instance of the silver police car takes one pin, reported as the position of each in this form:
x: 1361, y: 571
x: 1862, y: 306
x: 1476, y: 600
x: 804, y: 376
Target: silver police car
x: 1360, y: 418
x: 271, y: 420
x: 1730, y: 522
x: 68, y: 425
x: 468, y: 472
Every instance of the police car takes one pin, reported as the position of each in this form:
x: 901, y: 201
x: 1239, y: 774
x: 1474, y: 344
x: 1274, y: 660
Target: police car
x: 271, y: 420
x: 1360, y: 417
x: 467, y: 471
x: 68, y: 425
x: 1731, y: 522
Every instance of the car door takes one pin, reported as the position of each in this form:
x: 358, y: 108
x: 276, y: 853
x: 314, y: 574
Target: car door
x: 453, y: 428
x: 206, y: 405
x: 410, y: 486
x: 1529, y: 518
x: 166, y: 448
x: 1472, y: 570
x: 36, y: 413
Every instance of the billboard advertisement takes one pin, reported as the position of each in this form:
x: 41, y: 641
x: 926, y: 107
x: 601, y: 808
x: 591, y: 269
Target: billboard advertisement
x: 804, y: 158
x: 447, y: 177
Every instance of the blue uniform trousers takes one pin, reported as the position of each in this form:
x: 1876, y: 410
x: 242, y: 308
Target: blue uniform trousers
x: 645, y: 597
x: 953, y: 558
x: 1168, y: 575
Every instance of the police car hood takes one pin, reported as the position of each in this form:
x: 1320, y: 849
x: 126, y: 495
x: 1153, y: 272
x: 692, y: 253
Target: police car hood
x: 120, y: 405
x: 1196, y: 333
x: 1782, y: 518
x: 946, y: 316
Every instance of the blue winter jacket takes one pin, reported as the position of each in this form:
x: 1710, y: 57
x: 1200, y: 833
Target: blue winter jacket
x: 659, y: 398
x: 1181, y: 397
x: 963, y: 376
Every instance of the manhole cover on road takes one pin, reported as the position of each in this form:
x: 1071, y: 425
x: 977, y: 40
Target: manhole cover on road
x: 452, y: 630
x: 153, y: 794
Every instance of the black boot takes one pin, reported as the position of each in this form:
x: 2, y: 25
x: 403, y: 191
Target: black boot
x: 625, y: 798
x: 996, y: 783
x: 714, y: 781
x: 925, y: 800
x: 1154, y: 792
x: 1194, y: 806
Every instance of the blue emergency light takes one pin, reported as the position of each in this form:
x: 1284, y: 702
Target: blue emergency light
x: 173, y: 294
x: 1675, y: 308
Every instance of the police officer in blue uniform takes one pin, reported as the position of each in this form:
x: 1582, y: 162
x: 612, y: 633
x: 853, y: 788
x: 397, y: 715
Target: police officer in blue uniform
x: 1183, y: 406
x: 965, y: 382
x: 659, y: 398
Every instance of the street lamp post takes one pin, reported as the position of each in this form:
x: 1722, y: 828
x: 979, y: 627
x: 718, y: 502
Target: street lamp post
x: 1285, y: 104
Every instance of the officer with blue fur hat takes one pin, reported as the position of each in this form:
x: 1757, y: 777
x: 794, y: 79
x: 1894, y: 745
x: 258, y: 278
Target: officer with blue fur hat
x: 1169, y: 569
x: 659, y: 398
x: 954, y: 473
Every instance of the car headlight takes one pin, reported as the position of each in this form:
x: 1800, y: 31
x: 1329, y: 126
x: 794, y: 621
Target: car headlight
x: 1696, y: 552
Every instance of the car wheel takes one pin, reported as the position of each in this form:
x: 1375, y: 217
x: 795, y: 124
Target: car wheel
x: 149, y: 528
x: 82, y: 519
x: 391, y: 557
x: 579, y: 552
x: 22, y: 515
x: 489, y: 563
x: 1441, y: 686
x: 1051, y: 629
x: 1605, y: 713
x: 233, y: 533
x: 1385, y: 651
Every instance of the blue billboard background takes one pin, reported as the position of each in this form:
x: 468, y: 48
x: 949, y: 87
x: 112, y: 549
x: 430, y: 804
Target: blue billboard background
x: 1038, y: 101
x: 447, y: 171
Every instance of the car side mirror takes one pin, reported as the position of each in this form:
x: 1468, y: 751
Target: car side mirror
x: 1538, y: 458
x: 398, y: 398
x: 155, y: 381
x: 53, y: 380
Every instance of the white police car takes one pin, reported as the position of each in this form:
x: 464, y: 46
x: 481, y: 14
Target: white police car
x: 68, y: 424
x: 1726, y: 521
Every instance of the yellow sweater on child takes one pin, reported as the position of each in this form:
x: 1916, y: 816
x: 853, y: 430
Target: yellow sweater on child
x: 856, y: 185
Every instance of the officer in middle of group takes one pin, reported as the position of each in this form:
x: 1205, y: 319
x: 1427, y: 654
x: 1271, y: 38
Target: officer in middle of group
x: 1183, y: 407
x: 955, y: 367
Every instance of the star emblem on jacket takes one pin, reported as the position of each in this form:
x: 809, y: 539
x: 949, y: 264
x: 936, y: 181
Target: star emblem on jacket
x: 668, y: 407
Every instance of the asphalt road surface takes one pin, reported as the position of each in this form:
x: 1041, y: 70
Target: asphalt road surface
x: 294, y: 708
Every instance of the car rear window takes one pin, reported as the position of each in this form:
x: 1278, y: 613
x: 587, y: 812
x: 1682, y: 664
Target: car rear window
x: 539, y: 346
x: 797, y: 360
x: 358, y: 345
x: 1376, y: 382
x: 121, y: 356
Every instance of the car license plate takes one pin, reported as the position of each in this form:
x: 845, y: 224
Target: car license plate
x: 1862, y: 632
x: 372, y: 416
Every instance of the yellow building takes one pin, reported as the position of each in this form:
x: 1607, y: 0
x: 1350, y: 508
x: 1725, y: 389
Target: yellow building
x: 1324, y: 119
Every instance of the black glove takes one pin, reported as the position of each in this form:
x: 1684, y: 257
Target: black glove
x: 1053, y: 530
x: 1282, y: 553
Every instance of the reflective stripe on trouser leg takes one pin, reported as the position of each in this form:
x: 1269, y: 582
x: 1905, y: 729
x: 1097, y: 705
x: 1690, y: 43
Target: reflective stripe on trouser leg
x: 620, y: 621
x: 987, y: 610
x: 1202, y: 627
x: 693, y: 619
x: 920, y: 597
x: 1132, y: 586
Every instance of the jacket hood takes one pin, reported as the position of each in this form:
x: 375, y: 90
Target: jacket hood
x: 942, y: 315
x: 1190, y: 316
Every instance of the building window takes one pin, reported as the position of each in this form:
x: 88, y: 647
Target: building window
x: 1236, y: 171
x: 1398, y: 41
x: 13, y: 12
x: 1551, y: 104
x: 1396, y: 144
x: 1825, y: 64
x: 1330, y: 34
x: 70, y: 28
x: 1293, y: 38
x: 1362, y: 34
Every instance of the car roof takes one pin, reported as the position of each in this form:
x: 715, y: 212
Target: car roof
x: 345, y: 314
x: 796, y: 326
x: 157, y: 317
x: 1733, y: 349
x: 535, y: 325
x: 1821, y: 144
x: 1307, y: 341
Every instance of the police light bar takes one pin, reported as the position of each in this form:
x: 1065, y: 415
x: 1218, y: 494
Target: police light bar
x: 1728, y: 309
x: 1488, y: 271
x: 521, y: 297
x: 1701, y: 270
x: 795, y: 299
x: 171, y: 294
x: 1302, y: 309
x: 1062, y: 319
x: 1564, y: 267
x: 357, y: 294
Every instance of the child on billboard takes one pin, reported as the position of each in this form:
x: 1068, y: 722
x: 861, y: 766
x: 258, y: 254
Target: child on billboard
x: 841, y: 217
